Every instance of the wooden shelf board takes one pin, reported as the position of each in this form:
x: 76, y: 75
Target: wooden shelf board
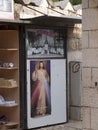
x: 8, y: 106
x: 11, y: 124
x: 3, y: 87
x: 8, y: 68
x: 8, y: 49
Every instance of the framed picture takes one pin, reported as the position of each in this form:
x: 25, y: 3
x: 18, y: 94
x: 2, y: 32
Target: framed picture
x: 40, y: 88
x: 45, y: 43
x: 6, y: 9
x: 46, y: 92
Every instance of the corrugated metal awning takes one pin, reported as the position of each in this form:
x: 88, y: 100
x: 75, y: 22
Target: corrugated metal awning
x: 56, y: 21
x: 46, y: 20
x: 53, y: 19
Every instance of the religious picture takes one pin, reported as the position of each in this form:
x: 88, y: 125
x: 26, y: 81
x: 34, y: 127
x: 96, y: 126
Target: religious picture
x: 44, y: 43
x: 40, y: 88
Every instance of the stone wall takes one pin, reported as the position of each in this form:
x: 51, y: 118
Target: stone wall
x: 74, y: 54
x: 90, y: 65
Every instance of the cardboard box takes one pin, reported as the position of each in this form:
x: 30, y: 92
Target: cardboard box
x: 6, y: 9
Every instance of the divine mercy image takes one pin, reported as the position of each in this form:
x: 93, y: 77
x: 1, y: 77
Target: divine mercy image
x: 40, y: 88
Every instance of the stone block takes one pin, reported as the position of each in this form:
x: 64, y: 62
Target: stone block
x: 76, y: 113
x: 58, y: 127
x: 74, y: 55
x: 63, y: 127
x: 70, y: 32
x: 93, y: 39
x: 94, y: 118
x: 86, y: 97
x: 93, y: 3
x: 69, y: 128
x: 90, y: 97
x: 77, y: 125
x: 84, y: 4
x: 75, y: 31
x: 86, y: 118
x: 86, y: 77
x: 95, y: 77
x: 86, y: 129
x: 71, y: 44
x: 90, y: 19
x: 90, y: 57
x: 66, y: 126
x: 85, y: 39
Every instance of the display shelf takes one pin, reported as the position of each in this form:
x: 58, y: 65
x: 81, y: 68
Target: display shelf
x: 8, y: 68
x: 8, y: 87
x: 8, y: 49
x: 9, y: 53
x: 9, y: 106
x: 11, y: 124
